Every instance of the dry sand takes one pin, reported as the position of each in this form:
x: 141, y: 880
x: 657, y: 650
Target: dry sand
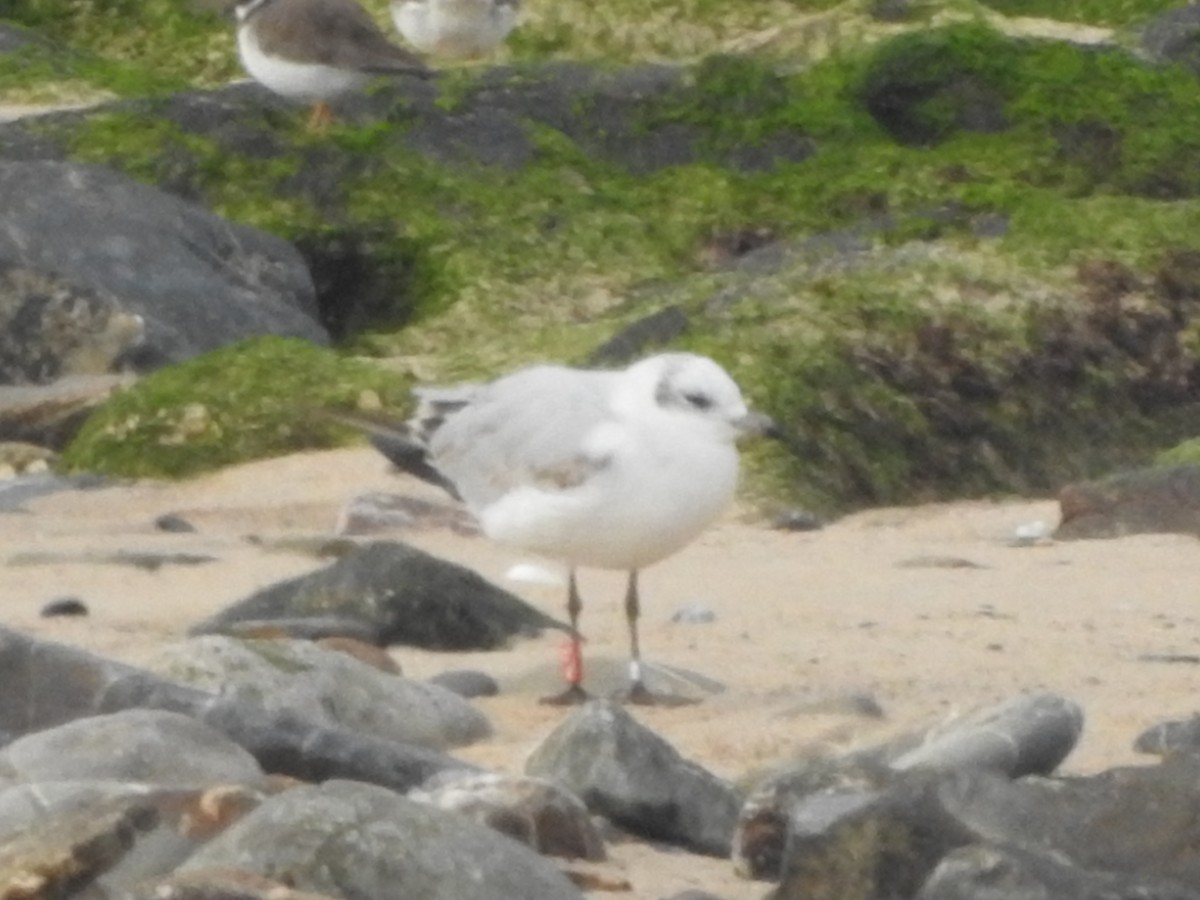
x: 803, y: 620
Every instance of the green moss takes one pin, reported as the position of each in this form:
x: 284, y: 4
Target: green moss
x: 258, y: 398
x: 1184, y: 454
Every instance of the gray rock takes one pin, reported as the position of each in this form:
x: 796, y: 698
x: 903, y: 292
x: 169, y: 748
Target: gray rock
x: 49, y: 415
x: 408, y: 596
x: 63, y: 606
x: 1146, y: 501
x: 625, y: 772
x: 356, y: 840
x: 467, y: 683
x: 1027, y: 735
x: 1169, y: 738
x: 1174, y: 36
x: 46, y: 683
x: 534, y: 811
x: 991, y: 872
x: 102, y: 272
x: 1136, y: 823
x: 330, y: 688
x: 148, y: 746
x: 694, y: 613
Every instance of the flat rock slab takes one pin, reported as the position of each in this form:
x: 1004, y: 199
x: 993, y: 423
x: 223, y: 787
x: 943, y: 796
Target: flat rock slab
x: 406, y: 596
x: 1145, y: 501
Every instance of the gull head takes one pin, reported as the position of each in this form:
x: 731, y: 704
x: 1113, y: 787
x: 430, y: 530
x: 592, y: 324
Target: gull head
x: 697, y: 388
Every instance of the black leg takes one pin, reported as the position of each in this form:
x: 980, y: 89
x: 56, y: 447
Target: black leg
x: 637, y: 692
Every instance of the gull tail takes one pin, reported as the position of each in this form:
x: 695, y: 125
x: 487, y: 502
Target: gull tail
x: 405, y: 444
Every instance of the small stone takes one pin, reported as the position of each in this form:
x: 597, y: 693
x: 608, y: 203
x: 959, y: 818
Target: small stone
x: 173, y: 522
x: 64, y: 606
x: 467, y: 683
x: 797, y: 520
x: 694, y: 613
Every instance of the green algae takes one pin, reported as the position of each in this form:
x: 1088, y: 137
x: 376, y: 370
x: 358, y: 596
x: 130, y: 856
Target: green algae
x: 261, y: 397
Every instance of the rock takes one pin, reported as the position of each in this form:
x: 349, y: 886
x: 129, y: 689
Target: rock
x: 534, y: 811
x: 1173, y: 36
x: 24, y: 458
x: 220, y: 884
x: 371, y: 654
x: 176, y: 820
x: 355, y: 840
x: 64, y: 606
x: 625, y: 772
x: 47, y: 683
x: 1137, y: 823
x: 1026, y: 735
x: 1013, y: 873
x: 380, y: 512
x: 467, y: 683
x: 409, y: 596
x: 103, y: 273
x: 48, y: 415
x: 148, y: 746
x: 797, y: 520
x: 308, y: 628
x: 15, y: 491
x: 922, y: 92
x: 641, y: 337
x: 62, y: 854
x: 1168, y: 738
x: 694, y: 613
x: 174, y: 523
x: 1145, y: 501
x: 326, y: 687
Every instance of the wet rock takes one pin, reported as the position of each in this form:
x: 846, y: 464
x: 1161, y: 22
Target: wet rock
x: 1145, y: 501
x: 182, y: 820
x: 409, y: 596
x: 104, y: 273
x: 1015, y: 873
x: 326, y: 687
x: 62, y: 854
x: 149, y: 746
x: 349, y: 839
x: 220, y: 884
x: 467, y: 683
x: 534, y: 811
x: 625, y: 772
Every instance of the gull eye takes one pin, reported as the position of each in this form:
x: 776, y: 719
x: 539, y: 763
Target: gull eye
x: 698, y: 401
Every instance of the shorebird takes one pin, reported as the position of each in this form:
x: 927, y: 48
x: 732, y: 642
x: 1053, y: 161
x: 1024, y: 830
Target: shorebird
x: 460, y: 29
x: 594, y: 468
x: 316, y: 50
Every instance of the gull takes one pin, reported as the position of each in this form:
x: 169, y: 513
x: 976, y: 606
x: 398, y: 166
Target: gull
x: 595, y: 468
x: 315, y: 50
x: 455, y: 28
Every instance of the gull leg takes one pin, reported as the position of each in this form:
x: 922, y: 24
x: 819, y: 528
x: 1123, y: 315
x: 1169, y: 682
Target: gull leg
x: 321, y: 116
x: 637, y: 688
x: 637, y: 692
x: 573, y: 659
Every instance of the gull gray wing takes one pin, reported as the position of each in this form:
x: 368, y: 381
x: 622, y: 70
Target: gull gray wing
x: 527, y: 428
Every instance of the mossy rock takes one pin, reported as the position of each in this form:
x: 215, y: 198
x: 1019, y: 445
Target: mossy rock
x: 258, y: 398
x: 1186, y: 453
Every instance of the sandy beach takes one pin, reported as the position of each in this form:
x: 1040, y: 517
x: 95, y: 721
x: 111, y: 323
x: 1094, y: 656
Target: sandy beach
x: 931, y: 611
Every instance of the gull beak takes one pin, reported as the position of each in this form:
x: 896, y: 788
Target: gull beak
x: 758, y: 424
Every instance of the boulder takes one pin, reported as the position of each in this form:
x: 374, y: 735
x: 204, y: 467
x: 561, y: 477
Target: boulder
x: 1164, y: 499
x: 349, y: 839
x: 627, y: 773
x: 101, y: 273
x: 406, y: 595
